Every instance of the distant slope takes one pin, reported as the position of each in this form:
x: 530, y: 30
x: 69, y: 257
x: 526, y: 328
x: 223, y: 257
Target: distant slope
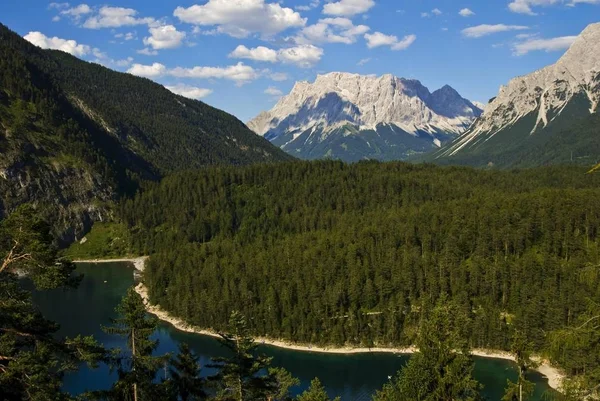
x: 75, y: 136
x: 354, y: 117
x: 547, y: 117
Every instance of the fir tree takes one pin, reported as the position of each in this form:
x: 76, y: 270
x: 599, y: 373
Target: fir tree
x: 316, y: 392
x: 33, y: 360
x: 137, y: 369
x: 185, y: 380
x: 245, y: 375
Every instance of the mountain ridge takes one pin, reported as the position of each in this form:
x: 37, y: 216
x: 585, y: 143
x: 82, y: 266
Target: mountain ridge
x: 338, y: 105
x: 534, y: 108
x: 76, y: 136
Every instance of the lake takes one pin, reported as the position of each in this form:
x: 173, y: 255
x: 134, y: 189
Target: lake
x: 354, y: 377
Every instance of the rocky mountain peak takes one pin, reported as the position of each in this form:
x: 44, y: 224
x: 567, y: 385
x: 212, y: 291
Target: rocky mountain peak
x: 364, y: 102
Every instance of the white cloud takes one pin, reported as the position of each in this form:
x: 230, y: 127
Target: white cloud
x: 191, y: 92
x: 147, y: 52
x: 279, y: 76
x: 57, y: 6
x: 124, y: 62
x: 303, y: 56
x: 484, y: 30
x: 347, y: 8
x: 69, y: 46
x: 435, y: 11
x: 259, y: 53
x: 379, y: 39
x: 164, y: 37
x: 239, y: 73
x: 148, y: 71
x: 273, y: 91
x: 547, y: 45
x: 331, y: 30
x: 77, y: 12
x: 363, y: 61
x: 524, y: 6
x: 126, y: 36
x: 466, y: 12
x: 310, y: 6
x: 240, y: 18
x: 114, y: 17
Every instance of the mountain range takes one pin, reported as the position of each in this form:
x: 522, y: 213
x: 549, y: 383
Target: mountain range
x: 75, y: 136
x: 550, y: 116
x: 354, y: 117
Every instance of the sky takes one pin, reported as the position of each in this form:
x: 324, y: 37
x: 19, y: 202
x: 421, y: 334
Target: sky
x: 242, y: 55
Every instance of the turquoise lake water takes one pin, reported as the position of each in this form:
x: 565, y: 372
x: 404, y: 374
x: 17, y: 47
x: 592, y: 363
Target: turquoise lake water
x: 353, y: 377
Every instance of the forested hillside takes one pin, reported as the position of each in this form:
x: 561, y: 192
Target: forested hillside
x: 326, y: 252
x: 75, y: 136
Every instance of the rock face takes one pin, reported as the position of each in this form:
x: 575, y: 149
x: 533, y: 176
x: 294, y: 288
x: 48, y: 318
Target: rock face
x: 531, y: 106
x: 354, y: 117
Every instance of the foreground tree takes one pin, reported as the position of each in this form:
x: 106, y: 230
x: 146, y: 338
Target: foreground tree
x: 185, y: 381
x: 246, y: 374
x: 442, y: 368
x: 577, y: 349
x: 137, y: 369
x: 32, y: 360
x: 523, y: 389
x: 316, y: 392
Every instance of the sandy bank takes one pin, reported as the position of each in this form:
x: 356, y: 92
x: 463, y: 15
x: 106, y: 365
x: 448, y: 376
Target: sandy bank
x: 553, y: 375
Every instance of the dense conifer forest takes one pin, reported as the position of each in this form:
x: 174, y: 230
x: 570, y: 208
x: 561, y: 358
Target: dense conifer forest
x: 330, y: 253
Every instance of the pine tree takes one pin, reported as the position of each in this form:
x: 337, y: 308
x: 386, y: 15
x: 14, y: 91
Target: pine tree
x: 245, y: 375
x: 523, y: 389
x: 442, y: 368
x: 32, y: 360
x: 137, y: 369
x: 185, y: 381
x: 316, y: 392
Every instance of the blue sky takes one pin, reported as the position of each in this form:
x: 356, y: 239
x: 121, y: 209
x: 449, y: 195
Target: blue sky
x: 240, y: 55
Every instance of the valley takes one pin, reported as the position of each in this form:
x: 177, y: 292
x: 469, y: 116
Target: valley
x: 363, y: 238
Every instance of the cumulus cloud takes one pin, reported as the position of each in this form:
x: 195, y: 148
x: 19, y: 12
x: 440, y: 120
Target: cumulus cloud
x: 147, y: 52
x: 304, y: 56
x: 66, y: 45
x: 114, y: 17
x: 547, y: 45
x: 484, y: 30
x: 525, y: 6
x: 242, y: 17
x: 148, y: 71
x: 259, y: 53
x: 348, y: 8
x: 331, y: 30
x: 239, y: 73
x: 77, y: 11
x: 309, y: 6
x: 191, y: 92
x: 363, y: 61
x: 436, y: 11
x: 57, y: 6
x: 466, y: 12
x: 164, y: 37
x: 378, y: 39
x: 273, y: 91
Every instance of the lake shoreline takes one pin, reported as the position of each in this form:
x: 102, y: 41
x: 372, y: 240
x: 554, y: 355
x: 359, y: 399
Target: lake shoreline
x: 554, y: 376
